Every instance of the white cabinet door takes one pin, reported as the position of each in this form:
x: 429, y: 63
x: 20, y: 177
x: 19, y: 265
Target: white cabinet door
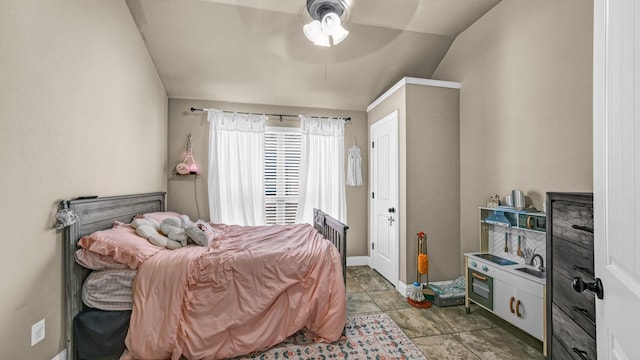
x: 519, y: 307
x: 503, y: 299
x: 528, y: 313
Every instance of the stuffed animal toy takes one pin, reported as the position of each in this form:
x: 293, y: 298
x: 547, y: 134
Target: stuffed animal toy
x: 174, y: 229
x: 201, y: 233
x: 148, y: 229
x: 174, y: 232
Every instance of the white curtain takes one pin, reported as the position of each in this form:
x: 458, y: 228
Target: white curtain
x: 236, y: 165
x: 322, y: 182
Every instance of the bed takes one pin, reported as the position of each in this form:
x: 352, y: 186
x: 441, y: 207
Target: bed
x: 326, y: 303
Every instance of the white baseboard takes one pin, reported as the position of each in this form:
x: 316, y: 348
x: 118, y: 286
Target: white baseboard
x: 404, y: 289
x: 357, y: 260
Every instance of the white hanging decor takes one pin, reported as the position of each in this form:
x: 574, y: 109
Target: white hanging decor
x: 189, y: 165
x: 354, y: 171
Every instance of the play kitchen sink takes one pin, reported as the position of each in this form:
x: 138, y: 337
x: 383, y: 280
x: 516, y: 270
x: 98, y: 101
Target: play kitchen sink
x: 536, y: 273
x: 495, y: 259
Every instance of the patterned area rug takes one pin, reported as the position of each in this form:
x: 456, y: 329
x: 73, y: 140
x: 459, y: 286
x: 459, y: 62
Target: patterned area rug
x: 373, y: 336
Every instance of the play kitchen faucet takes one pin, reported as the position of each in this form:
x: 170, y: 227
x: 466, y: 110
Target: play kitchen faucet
x: 541, y: 267
x: 529, y: 258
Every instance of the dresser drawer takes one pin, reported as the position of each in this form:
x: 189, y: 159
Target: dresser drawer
x: 581, y: 307
x: 558, y: 352
x: 571, y: 336
x: 573, y: 222
x: 571, y: 260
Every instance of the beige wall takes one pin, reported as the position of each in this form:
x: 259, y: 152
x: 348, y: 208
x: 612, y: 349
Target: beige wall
x: 525, y: 103
x: 428, y: 136
x: 189, y: 195
x: 83, y: 112
x: 433, y: 179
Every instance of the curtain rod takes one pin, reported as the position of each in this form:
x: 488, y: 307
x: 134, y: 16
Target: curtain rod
x: 347, y: 119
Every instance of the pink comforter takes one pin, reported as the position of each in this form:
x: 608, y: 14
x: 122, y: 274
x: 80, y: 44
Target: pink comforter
x: 251, y: 289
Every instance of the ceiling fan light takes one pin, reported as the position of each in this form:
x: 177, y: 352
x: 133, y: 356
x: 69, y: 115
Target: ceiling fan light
x: 327, y: 21
x: 339, y: 35
x: 312, y: 30
x: 332, y: 26
x: 330, y: 21
x: 323, y: 41
x: 316, y: 34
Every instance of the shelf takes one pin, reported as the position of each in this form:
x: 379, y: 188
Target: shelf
x: 529, y: 211
x: 530, y: 221
x: 183, y: 176
x: 521, y: 219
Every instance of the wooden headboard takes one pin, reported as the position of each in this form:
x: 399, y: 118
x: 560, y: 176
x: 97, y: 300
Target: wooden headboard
x: 96, y: 214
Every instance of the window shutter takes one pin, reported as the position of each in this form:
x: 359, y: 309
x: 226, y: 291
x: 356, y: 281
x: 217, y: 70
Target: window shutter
x: 282, y: 174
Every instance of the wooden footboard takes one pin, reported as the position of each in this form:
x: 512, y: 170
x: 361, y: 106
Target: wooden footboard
x: 334, y: 231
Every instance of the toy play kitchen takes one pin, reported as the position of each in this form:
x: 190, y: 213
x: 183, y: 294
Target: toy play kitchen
x: 507, y: 276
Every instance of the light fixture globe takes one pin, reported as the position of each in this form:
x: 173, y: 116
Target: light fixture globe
x: 333, y: 27
x: 327, y: 16
x: 313, y: 32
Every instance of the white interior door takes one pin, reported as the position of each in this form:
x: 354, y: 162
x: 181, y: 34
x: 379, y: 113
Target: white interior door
x: 384, y: 197
x: 616, y: 130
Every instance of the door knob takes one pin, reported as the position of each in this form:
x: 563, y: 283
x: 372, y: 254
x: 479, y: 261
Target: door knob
x: 392, y: 210
x: 595, y: 287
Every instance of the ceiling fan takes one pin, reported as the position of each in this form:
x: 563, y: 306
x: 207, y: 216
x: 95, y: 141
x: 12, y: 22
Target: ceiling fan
x: 328, y: 16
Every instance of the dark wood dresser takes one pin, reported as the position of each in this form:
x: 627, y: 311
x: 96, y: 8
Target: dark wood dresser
x: 570, y: 315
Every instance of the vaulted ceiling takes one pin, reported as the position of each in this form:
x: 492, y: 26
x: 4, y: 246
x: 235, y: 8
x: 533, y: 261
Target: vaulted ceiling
x: 254, y: 51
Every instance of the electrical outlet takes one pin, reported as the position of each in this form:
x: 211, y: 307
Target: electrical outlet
x: 37, y: 332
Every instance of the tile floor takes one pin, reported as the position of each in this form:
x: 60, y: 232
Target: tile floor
x: 440, y: 333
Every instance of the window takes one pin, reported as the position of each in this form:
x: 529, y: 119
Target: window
x: 282, y: 150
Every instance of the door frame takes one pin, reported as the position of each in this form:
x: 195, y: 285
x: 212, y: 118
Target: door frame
x: 392, y: 116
